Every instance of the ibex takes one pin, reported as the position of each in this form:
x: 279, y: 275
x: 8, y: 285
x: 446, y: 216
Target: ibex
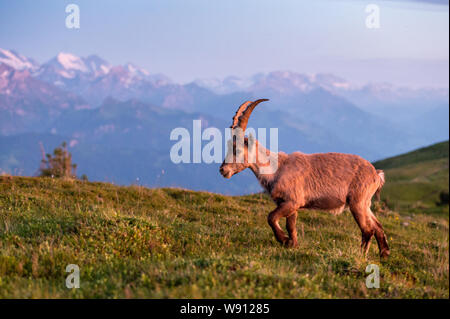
x: 323, y: 181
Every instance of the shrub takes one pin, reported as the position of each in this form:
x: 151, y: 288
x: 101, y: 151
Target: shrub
x: 58, y: 165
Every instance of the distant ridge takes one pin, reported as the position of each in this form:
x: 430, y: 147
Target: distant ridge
x: 428, y: 153
x: 417, y: 182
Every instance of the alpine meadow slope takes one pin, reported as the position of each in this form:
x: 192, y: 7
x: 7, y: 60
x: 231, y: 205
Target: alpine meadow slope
x: 418, y: 181
x: 137, y: 242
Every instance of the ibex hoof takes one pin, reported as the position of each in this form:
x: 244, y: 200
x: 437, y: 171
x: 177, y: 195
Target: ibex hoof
x: 385, y: 254
x: 290, y: 243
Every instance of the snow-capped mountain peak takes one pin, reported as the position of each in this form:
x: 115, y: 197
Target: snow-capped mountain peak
x: 136, y: 71
x: 277, y: 81
x: 16, y: 60
x: 71, y: 62
x: 97, y: 65
x: 67, y: 66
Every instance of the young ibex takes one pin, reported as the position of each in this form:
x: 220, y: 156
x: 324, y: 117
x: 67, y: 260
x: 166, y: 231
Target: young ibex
x: 328, y: 181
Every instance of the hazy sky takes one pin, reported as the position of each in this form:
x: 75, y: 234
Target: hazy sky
x: 189, y: 39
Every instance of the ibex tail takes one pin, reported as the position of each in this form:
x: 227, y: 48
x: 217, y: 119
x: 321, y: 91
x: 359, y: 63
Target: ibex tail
x: 382, y: 180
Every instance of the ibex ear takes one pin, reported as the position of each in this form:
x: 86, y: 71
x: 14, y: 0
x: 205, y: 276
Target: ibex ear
x: 251, y: 148
x: 251, y: 138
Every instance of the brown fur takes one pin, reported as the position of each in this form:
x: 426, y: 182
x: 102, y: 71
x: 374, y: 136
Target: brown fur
x: 329, y: 181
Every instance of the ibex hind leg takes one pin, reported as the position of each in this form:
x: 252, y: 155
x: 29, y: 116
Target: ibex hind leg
x: 380, y: 237
x: 369, y: 226
x: 364, y: 221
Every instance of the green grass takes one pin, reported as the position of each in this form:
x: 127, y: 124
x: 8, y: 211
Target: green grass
x: 415, y: 180
x: 171, y: 243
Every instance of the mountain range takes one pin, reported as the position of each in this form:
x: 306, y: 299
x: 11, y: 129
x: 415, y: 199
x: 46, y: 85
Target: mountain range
x: 117, y: 119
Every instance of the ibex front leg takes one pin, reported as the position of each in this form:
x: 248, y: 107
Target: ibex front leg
x: 291, y: 222
x: 284, y: 209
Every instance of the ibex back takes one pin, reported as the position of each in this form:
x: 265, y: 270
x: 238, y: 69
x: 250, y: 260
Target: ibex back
x: 329, y: 181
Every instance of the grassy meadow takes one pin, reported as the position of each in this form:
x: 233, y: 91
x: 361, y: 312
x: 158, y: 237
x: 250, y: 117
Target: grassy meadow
x: 137, y: 242
x: 415, y: 180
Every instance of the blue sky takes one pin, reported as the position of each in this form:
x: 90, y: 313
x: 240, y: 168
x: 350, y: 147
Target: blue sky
x: 203, y: 38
